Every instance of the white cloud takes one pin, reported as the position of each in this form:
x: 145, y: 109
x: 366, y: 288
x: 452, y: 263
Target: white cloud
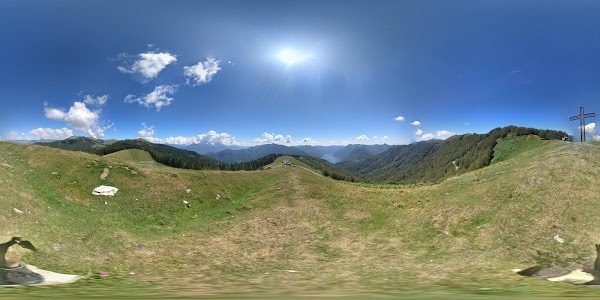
x: 399, y: 118
x: 79, y: 117
x: 381, y: 138
x: 146, y: 131
x: 590, y: 128
x: 211, y: 137
x: 307, y: 140
x: 202, y: 72
x: 16, y: 136
x: 149, y: 64
x: 427, y: 136
x: 157, y: 98
x: 54, y: 113
x: 415, y: 123
x: 441, y: 133
x: 362, y: 138
x: 269, y: 138
x: 51, y: 134
x: 98, y: 100
x: 419, y: 132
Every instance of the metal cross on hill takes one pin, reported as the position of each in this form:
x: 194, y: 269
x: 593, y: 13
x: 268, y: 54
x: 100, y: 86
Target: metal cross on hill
x: 581, y: 117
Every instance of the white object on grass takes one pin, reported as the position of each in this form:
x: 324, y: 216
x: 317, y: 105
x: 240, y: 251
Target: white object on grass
x: 104, y: 190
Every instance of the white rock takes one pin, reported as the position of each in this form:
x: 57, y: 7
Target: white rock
x: 18, y: 210
x: 185, y: 202
x: 104, y: 190
x: 559, y: 239
x: 188, y: 191
x: 292, y: 271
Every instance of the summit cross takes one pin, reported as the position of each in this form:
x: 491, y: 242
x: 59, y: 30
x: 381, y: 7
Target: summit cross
x: 581, y: 117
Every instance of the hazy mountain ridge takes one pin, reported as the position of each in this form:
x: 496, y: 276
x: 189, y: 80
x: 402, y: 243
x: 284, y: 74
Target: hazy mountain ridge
x: 252, y: 153
x: 207, y: 148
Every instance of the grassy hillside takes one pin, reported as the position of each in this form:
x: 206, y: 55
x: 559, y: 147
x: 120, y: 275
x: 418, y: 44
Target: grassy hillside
x: 131, y: 155
x: 78, y: 143
x: 287, y: 231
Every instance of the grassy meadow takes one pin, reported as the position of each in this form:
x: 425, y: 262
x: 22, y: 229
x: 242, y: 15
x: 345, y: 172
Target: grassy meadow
x: 287, y: 232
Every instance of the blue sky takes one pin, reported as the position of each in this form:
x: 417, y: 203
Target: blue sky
x: 303, y: 72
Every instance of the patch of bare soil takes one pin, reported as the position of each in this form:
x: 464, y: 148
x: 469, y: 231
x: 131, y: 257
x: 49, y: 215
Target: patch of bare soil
x: 104, y: 174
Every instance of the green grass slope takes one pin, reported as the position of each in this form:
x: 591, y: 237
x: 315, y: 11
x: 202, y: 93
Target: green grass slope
x: 131, y: 155
x: 288, y: 231
x: 512, y: 145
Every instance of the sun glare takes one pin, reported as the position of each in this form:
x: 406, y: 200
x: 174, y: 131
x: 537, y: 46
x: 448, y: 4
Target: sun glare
x: 292, y: 57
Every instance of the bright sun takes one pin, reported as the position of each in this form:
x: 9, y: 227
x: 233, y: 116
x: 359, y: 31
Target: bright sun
x: 292, y: 57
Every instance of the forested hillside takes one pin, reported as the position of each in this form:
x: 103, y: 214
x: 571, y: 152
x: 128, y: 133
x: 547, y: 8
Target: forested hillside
x: 358, y: 152
x: 434, y: 160
x: 184, y: 159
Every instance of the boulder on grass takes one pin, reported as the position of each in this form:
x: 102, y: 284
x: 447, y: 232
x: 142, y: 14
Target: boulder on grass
x: 104, y: 190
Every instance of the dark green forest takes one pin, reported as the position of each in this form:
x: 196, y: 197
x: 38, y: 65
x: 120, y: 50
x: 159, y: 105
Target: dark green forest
x: 434, y: 160
x: 358, y: 152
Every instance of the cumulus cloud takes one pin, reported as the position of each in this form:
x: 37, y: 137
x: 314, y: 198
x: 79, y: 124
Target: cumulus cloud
x: 51, y: 134
x: 415, y: 123
x: 269, y: 138
x: 427, y: 136
x: 202, y: 72
x: 419, y: 132
x: 79, y: 117
x: 307, y: 140
x: 54, y: 113
x: 149, y: 64
x: 98, y: 100
x: 399, y: 118
x: 146, y: 131
x: 158, y: 98
x: 16, y: 136
x: 362, y: 138
x: 591, y: 129
x: 441, y: 133
x: 211, y: 137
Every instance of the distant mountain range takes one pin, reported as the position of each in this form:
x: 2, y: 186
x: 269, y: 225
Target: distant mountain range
x: 237, y: 154
x: 331, y: 153
x: 252, y: 153
x: 207, y: 148
x: 186, y: 159
x: 425, y: 161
